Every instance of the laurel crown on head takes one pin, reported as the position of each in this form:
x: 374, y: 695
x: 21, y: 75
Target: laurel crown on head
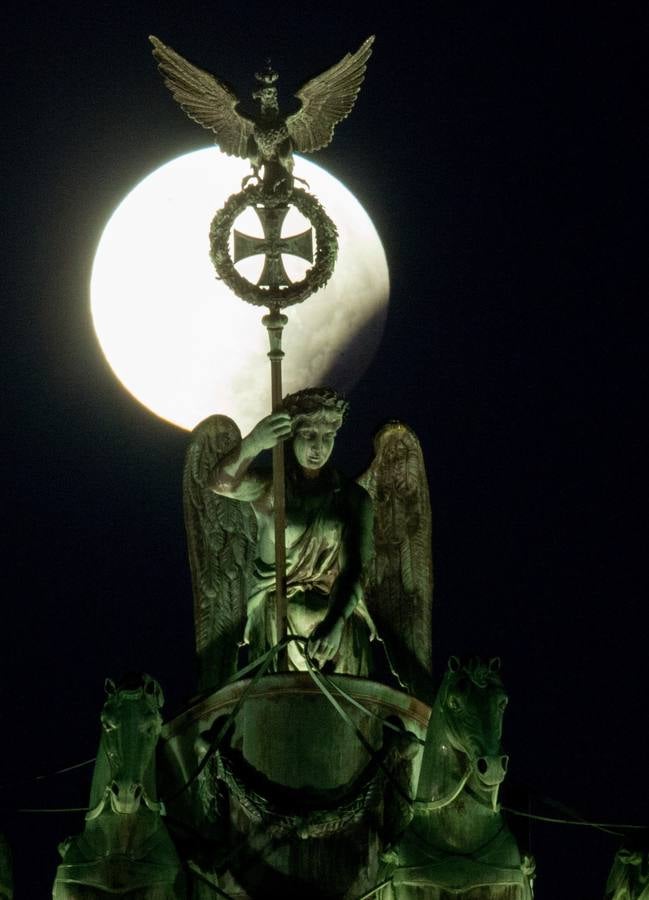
x: 314, y: 401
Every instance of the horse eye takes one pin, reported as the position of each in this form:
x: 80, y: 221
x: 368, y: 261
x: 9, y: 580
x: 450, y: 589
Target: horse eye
x: 150, y: 728
x: 107, y: 725
x: 502, y: 703
x: 454, y: 704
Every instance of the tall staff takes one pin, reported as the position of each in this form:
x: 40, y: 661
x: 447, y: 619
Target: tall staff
x: 271, y: 200
x: 275, y: 322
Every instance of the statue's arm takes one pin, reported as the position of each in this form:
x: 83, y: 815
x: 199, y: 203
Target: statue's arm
x: 232, y: 477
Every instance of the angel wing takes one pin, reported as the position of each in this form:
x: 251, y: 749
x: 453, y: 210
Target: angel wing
x: 205, y: 99
x: 221, y: 540
x: 328, y: 99
x: 400, y: 583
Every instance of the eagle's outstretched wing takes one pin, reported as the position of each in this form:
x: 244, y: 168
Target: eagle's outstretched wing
x: 327, y: 99
x: 205, y: 99
x: 221, y: 540
x: 400, y: 582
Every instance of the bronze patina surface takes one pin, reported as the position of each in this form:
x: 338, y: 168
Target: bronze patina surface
x: 458, y: 843
x: 356, y: 556
x: 125, y: 846
x: 268, y: 139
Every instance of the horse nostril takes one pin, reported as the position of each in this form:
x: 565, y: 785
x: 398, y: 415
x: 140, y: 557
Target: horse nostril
x: 483, y: 766
x: 115, y: 788
x: 504, y: 762
x: 137, y: 790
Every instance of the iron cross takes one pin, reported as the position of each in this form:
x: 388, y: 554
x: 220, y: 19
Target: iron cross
x: 272, y: 246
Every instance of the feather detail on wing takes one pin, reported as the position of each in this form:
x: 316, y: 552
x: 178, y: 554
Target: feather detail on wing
x: 400, y: 581
x: 205, y: 99
x: 328, y: 99
x: 221, y: 540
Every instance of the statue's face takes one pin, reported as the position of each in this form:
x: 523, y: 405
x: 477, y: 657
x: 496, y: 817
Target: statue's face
x: 313, y: 440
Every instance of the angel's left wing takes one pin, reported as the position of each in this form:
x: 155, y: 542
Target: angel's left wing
x: 205, y: 99
x: 328, y: 99
x: 400, y: 581
x: 221, y: 540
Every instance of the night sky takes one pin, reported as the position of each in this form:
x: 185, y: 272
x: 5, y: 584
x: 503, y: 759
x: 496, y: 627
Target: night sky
x: 501, y: 151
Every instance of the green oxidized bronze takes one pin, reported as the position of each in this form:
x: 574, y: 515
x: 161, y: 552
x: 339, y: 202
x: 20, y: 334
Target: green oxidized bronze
x: 125, y: 847
x: 458, y: 842
x: 341, y: 566
x: 269, y: 139
x: 273, y: 288
x: 272, y: 246
x: 317, y: 770
x: 629, y: 875
x: 358, y: 557
x: 268, y: 142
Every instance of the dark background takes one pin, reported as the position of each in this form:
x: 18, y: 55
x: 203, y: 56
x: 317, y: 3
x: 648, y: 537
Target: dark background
x: 501, y: 151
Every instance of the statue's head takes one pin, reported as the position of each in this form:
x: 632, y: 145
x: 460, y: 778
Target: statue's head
x: 316, y: 415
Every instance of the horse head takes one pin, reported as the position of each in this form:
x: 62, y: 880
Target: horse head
x: 465, y: 733
x: 125, y: 848
x: 131, y: 724
x: 459, y: 842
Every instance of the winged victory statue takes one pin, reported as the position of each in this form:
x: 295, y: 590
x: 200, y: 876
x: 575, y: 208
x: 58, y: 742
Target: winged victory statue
x: 269, y: 139
x: 358, y: 552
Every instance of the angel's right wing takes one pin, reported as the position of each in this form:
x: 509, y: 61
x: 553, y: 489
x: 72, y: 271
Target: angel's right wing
x: 221, y: 540
x: 205, y: 99
x: 400, y: 580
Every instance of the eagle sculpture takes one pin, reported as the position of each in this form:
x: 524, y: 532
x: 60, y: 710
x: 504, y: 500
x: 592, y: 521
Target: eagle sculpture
x: 269, y: 139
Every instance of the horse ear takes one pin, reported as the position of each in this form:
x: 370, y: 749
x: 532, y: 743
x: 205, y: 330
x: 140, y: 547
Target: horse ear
x: 110, y: 687
x: 494, y: 664
x: 153, y: 688
x: 454, y: 664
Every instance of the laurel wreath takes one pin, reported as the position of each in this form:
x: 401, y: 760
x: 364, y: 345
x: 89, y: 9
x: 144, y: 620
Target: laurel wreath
x: 326, y: 247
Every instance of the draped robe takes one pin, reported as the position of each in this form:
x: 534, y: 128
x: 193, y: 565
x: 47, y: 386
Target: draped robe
x: 315, y: 559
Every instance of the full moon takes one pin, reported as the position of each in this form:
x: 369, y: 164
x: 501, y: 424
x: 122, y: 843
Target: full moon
x: 181, y: 342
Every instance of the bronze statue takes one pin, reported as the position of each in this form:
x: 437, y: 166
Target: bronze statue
x: 125, y: 848
x: 268, y: 141
x: 458, y: 842
x: 400, y: 583
x: 339, y: 578
x: 629, y: 875
x: 299, y: 550
x: 270, y: 138
x: 328, y: 535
